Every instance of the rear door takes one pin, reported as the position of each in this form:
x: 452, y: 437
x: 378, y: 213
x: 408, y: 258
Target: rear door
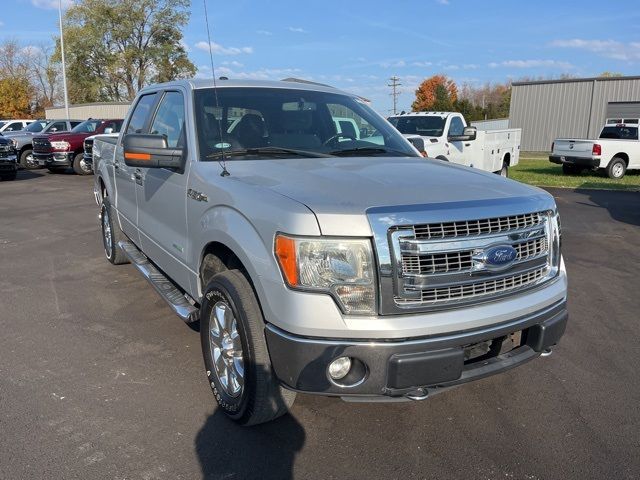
x: 126, y: 177
x: 162, y: 195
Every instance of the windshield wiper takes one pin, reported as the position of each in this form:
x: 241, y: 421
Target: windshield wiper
x: 271, y: 151
x: 365, y: 151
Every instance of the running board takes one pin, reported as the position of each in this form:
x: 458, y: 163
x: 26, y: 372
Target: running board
x: 167, y: 290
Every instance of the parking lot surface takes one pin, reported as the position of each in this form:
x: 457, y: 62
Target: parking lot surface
x: 98, y: 379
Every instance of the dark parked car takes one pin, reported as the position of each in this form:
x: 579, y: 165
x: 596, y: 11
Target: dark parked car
x: 59, y: 151
x: 8, y: 160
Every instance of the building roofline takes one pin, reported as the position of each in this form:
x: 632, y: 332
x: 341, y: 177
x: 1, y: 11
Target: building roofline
x: 574, y: 80
x: 115, y: 104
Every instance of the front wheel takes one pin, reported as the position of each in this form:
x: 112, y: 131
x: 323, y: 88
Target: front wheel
x: 616, y: 168
x: 80, y: 166
x: 235, y: 352
x: 27, y: 161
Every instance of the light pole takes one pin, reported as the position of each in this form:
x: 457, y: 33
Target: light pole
x: 64, y: 70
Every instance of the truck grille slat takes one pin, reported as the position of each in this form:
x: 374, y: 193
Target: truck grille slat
x: 468, y: 228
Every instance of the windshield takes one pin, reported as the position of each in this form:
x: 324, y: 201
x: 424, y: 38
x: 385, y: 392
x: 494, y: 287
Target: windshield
x: 88, y: 126
x: 253, y: 123
x: 36, y: 126
x: 623, y: 132
x: 427, y: 126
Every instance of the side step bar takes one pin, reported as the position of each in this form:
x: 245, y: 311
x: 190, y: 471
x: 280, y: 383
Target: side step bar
x: 167, y: 290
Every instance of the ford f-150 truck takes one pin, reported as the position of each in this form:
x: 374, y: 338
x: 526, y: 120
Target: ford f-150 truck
x: 59, y: 151
x: 319, y: 262
x: 447, y: 137
x: 616, y: 150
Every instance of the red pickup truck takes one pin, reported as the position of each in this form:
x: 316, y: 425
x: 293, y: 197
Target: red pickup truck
x: 58, y: 151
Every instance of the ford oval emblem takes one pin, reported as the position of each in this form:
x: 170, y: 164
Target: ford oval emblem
x: 500, y: 256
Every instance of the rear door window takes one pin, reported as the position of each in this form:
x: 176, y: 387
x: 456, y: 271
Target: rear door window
x: 141, y: 113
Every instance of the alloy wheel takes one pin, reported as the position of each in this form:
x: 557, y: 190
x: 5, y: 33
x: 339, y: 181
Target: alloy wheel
x: 226, y: 349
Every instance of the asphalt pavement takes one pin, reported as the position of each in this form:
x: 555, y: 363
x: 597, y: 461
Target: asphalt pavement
x: 98, y: 379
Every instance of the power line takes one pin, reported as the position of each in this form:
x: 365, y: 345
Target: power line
x: 395, y: 83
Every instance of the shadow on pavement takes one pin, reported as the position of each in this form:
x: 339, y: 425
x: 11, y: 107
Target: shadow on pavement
x: 622, y: 206
x: 27, y: 175
x: 228, y: 450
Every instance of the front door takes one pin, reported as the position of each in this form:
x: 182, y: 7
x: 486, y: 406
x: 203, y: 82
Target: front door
x: 127, y: 178
x: 162, y: 196
x: 457, y: 148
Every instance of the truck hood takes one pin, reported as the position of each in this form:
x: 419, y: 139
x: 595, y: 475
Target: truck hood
x: 340, y: 190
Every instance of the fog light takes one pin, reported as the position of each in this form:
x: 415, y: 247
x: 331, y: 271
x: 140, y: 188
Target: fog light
x: 339, y: 368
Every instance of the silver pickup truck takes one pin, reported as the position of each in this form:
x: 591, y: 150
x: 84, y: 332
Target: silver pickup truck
x: 329, y: 262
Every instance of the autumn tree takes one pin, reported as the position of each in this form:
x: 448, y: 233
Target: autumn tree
x: 428, y: 95
x: 115, y: 48
x: 15, y: 98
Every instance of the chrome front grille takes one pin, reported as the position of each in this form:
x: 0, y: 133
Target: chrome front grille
x: 462, y: 261
x: 476, y: 290
x: 445, y: 264
x: 41, y: 145
x: 486, y: 226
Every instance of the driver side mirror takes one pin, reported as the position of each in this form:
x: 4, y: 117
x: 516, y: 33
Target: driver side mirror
x: 151, y: 151
x: 468, y: 134
x: 418, y: 143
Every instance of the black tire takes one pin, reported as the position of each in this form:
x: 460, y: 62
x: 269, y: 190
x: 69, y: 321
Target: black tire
x: 617, y: 168
x: 26, y: 153
x: 57, y: 169
x: 9, y: 176
x: 80, y: 167
x: 571, y: 169
x: 261, y: 398
x: 114, y: 254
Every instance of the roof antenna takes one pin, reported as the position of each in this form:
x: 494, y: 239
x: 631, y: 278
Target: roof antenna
x: 222, y: 161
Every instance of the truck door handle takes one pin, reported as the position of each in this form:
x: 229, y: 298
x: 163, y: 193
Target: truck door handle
x: 467, y: 144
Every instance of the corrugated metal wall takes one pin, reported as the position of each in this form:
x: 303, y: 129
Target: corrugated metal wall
x: 495, y: 124
x: 565, y: 108
x: 623, y: 110
x: 90, y: 110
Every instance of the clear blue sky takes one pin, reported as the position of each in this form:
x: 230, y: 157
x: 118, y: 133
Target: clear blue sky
x: 357, y: 45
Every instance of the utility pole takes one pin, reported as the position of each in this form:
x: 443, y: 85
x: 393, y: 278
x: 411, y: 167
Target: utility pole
x: 64, y: 71
x: 395, y: 83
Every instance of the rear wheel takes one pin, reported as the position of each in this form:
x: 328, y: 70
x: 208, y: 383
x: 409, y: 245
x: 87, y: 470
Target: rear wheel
x: 504, y: 171
x: 617, y: 168
x: 111, y: 235
x: 80, y: 166
x: 235, y: 352
x: 571, y: 169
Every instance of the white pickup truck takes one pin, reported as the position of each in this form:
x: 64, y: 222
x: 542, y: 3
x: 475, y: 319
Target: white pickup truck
x: 447, y: 137
x: 616, y: 150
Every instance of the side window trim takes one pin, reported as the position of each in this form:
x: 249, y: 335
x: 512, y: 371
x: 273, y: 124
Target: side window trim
x: 152, y: 110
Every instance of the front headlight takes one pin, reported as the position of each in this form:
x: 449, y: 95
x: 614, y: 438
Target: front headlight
x: 14, y: 142
x: 62, y: 145
x: 342, y: 268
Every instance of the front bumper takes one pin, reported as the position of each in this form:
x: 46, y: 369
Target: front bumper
x: 8, y: 163
x: 54, y: 159
x: 402, y: 368
x: 578, y: 161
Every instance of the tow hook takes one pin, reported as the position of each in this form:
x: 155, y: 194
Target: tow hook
x: 546, y: 352
x: 418, y: 394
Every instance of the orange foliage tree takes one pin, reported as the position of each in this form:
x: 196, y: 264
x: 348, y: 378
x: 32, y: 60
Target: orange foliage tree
x: 15, y: 98
x: 426, y: 92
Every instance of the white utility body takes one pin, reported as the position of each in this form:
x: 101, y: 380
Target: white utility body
x: 445, y: 138
x: 616, y: 150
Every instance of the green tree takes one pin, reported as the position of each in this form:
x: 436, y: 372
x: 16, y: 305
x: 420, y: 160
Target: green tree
x: 115, y: 48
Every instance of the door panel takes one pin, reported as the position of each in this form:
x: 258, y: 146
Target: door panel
x: 162, y: 197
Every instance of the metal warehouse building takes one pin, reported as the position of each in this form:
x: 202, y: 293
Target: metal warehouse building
x: 90, y: 110
x: 577, y: 108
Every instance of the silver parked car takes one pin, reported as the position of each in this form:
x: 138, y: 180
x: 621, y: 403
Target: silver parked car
x: 323, y: 261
